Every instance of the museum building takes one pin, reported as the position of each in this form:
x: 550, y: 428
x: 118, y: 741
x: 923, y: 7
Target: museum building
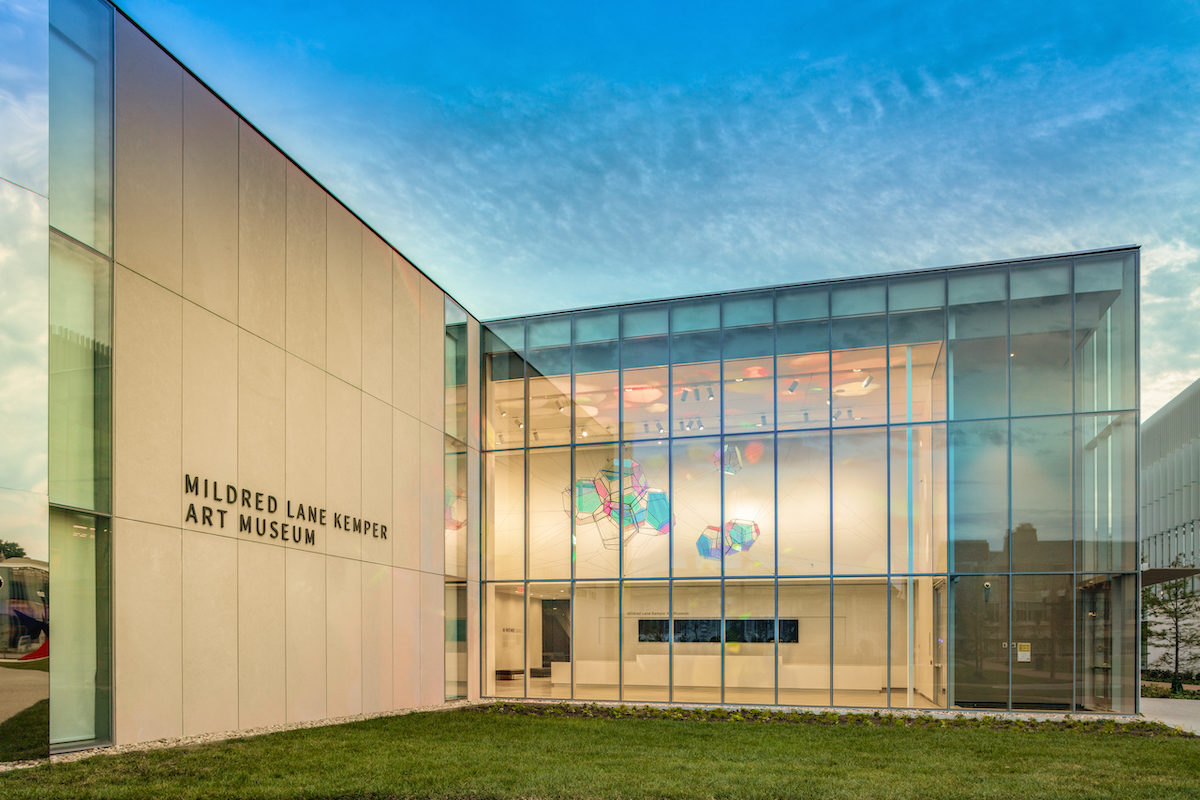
x: 270, y: 472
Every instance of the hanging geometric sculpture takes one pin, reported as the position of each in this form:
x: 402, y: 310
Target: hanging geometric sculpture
x: 729, y: 459
x: 620, y: 503
x: 738, y: 537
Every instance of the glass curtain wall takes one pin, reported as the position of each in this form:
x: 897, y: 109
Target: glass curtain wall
x: 881, y: 493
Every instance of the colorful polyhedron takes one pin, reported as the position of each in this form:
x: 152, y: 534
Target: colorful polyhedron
x: 455, y: 510
x: 729, y: 459
x: 620, y: 503
x: 738, y: 537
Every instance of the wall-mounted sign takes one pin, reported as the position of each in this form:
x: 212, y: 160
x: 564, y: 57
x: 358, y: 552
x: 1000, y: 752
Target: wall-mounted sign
x: 260, y: 514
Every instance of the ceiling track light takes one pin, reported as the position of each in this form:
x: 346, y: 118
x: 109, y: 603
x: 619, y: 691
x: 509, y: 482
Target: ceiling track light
x: 792, y: 388
x: 711, y: 396
x: 867, y: 380
x: 660, y: 427
x: 683, y: 397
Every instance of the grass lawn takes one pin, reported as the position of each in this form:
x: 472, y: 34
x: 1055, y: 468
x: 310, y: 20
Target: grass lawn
x: 496, y: 753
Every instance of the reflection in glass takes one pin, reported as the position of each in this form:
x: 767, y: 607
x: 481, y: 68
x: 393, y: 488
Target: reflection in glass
x: 695, y: 372
x: 918, y: 642
x: 918, y: 498
x: 504, y: 515
x: 647, y: 553
x: 804, y: 661
x: 645, y: 642
x: 1105, y: 350
x: 597, y: 496
x: 455, y: 508
x: 550, y: 513
x: 860, y: 523
x: 80, y: 364
x: 1041, y: 338
x: 504, y: 642
x: 644, y: 379
x: 917, y: 354
x: 748, y: 348
x: 455, y: 370
x: 456, y: 640
x: 978, y: 339
x: 978, y: 496
x: 504, y: 385
x: 750, y: 634
x: 980, y: 641
x: 696, y: 649
x: 549, y: 366
x: 1107, y: 671
x: 1042, y: 641
x: 597, y: 641
x: 23, y: 118
x: 749, y: 533
x: 858, y: 374
x: 860, y: 642
x: 597, y: 377
x: 1106, y: 519
x: 803, y: 500
x: 1041, y: 495
x: 696, y: 466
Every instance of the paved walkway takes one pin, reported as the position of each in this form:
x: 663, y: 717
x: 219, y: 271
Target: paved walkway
x: 1176, y: 713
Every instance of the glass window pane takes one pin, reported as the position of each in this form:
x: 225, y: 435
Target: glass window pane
x: 918, y: 491
x: 596, y: 497
x: 980, y: 641
x: 860, y: 524
x: 455, y: 371
x: 595, y: 649
x: 742, y: 310
x: 81, y: 120
x: 646, y: 645
x: 504, y: 648
x: 696, y: 370
x: 504, y: 385
x: 803, y: 363
x: 918, y: 642
x: 804, y: 503
x: 804, y: 652
x: 750, y: 641
x: 749, y: 534
x: 644, y: 373
x: 1107, y: 672
x: 549, y: 513
x: 548, y: 643
x: 696, y: 466
x: 809, y: 303
x: 504, y: 515
x: 749, y: 378
x: 80, y: 682
x: 455, y: 509
x: 549, y: 356
x: 696, y: 649
x: 1106, y: 482
x: 1041, y: 495
x: 979, y: 354
x: 1105, y: 293
x: 597, y: 377
x: 859, y: 356
x: 1041, y: 339
x: 978, y: 496
x: 80, y: 366
x: 1043, y: 638
x: 917, y: 356
x: 456, y: 640
x: 646, y: 506
x: 860, y: 642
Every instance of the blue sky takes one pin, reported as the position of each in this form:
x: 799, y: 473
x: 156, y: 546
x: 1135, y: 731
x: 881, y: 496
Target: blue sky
x: 538, y: 156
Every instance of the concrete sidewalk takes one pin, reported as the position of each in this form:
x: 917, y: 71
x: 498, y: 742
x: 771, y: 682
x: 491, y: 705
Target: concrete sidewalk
x: 1176, y: 713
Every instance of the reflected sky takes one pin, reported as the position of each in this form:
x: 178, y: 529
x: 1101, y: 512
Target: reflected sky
x: 24, y: 97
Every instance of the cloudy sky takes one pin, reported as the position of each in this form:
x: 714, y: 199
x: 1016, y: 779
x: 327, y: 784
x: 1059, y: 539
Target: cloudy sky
x: 539, y: 156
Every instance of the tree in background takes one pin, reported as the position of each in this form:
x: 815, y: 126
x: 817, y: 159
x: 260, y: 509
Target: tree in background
x: 10, y: 550
x: 1172, y: 621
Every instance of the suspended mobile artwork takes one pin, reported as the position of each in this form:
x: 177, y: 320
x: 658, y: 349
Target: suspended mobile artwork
x: 620, y: 503
x: 738, y: 537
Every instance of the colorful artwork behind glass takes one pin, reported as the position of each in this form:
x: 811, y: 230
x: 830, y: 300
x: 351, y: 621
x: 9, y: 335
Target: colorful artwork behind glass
x: 620, y: 503
x: 738, y: 537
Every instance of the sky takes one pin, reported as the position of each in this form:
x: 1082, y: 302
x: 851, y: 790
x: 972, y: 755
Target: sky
x: 539, y: 156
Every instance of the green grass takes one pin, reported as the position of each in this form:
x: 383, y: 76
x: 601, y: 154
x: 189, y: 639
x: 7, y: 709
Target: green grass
x: 505, y: 752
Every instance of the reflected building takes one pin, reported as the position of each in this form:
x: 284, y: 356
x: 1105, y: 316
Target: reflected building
x: 1170, y: 500
x: 258, y: 469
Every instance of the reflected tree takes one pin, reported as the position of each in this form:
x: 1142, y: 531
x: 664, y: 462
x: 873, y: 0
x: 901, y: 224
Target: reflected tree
x: 1172, y: 621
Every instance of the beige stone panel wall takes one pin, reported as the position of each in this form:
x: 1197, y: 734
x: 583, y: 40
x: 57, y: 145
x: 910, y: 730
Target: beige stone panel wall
x: 210, y: 411
x: 261, y: 635
x: 147, y: 400
x: 343, y: 470
x: 343, y: 635
x: 304, y: 597
x: 433, y: 359
x: 377, y: 480
x: 406, y: 491
x: 433, y: 639
x: 343, y: 298
x: 210, y: 633
x: 406, y: 335
x: 406, y: 638
x: 306, y: 229
x: 376, y: 638
x: 376, y: 317
x: 210, y: 201
x: 261, y: 384
x: 433, y: 500
x: 262, y: 242
x: 147, y: 632
x: 148, y: 187
x: 305, y: 441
